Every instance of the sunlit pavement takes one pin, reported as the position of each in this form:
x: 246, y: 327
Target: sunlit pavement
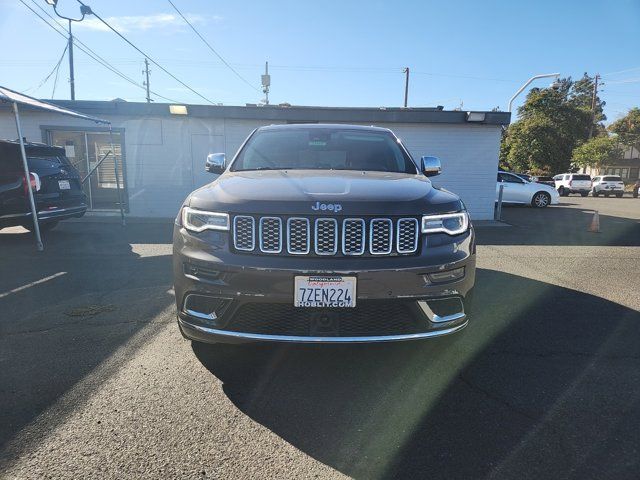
x: 96, y: 382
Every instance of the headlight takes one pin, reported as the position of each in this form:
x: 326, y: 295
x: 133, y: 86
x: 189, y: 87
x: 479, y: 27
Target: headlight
x: 450, y: 223
x: 199, y: 220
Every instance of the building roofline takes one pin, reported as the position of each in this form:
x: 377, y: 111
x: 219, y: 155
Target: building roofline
x: 287, y: 113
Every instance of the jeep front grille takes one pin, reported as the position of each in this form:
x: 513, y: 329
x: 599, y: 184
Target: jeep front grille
x: 326, y: 236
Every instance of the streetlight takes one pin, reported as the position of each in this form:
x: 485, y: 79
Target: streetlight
x: 555, y: 84
x: 84, y: 10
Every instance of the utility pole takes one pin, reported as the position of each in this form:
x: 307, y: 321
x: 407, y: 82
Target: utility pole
x: 146, y: 82
x: 84, y: 10
x: 594, y: 96
x: 406, y: 86
x: 72, y: 81
x: 266, y: 83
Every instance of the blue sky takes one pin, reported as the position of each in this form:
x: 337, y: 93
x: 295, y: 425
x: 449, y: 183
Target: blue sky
x: 334, y: 53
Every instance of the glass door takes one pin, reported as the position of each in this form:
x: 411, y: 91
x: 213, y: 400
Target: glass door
x: 85, y: 150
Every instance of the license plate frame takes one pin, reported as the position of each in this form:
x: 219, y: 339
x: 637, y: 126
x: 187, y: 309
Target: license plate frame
x: 324, y: 291
x: 64, y: 184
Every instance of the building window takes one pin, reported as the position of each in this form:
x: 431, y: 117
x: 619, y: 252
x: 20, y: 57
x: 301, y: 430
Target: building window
x: 85, y: 149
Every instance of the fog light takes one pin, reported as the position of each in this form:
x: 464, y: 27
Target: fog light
x: 204, y: 307
x: 447, y: 275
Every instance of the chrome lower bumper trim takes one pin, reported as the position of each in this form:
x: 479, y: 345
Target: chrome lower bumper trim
x: 302, y: 339
x: 44, y: 213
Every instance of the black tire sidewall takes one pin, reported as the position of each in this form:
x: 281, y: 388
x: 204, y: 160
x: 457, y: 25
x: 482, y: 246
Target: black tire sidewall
x: 535, y: 195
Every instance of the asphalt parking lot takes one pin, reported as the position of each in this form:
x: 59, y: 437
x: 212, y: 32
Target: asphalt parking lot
x: 96, y: 381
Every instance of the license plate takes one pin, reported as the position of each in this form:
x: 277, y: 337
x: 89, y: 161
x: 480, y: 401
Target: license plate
x: 325, y: 291
x: 64, y: 185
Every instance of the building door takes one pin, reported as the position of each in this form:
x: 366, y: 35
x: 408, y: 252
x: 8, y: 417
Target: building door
x: 201, y: 146
x: 85, y: 149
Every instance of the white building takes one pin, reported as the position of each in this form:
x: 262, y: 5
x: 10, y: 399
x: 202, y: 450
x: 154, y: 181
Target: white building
x: 163, y: 153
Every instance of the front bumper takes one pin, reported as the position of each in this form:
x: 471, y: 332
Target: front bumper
x: 222, y: 296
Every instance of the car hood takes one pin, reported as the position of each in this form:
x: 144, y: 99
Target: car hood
x: 312, y: 192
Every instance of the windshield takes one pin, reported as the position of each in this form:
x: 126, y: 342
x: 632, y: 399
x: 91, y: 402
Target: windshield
x: 324, y: 149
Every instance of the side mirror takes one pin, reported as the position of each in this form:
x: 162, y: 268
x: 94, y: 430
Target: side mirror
x: 216, y: 163
x: 431, y: 166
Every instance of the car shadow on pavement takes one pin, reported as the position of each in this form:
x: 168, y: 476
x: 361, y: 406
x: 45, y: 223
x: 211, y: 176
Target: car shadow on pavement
x: 544, y: 383
x: 560, y: 225
x: 64, y: 313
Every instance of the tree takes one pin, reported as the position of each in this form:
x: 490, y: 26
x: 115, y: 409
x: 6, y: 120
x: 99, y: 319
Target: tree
x: 581, y: 96
x: 597, y: 151
x: 537, y: 146
x: 552, y: 122
x: 628, y: 128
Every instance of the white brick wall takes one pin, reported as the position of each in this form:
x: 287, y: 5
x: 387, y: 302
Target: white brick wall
x: 162, y: 167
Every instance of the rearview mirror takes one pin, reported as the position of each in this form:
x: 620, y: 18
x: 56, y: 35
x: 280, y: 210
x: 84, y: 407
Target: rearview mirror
x: 216, y: 163
x: 431, y: 166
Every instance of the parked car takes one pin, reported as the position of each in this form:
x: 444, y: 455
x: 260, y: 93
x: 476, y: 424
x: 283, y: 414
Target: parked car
x: 636, y: 189
x: 568, y: 183
x: 544, y: 180
x: 519, y: 191
x: 54, y: 181
x: 322, y: 234
x: 608, y: 185
x: 523, y: 176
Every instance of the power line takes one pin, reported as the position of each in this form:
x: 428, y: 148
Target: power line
x: 628, y: 80
x: 93, y: 55
x: 147, y: 56
x: 55, y: 69
x: 211, y: 48
x: 621, y: 71
x: 88, y: 51
x: 55, y: 80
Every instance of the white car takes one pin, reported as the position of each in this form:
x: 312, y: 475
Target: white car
x: 567, y: 183
x: 608, y: 185
x: 518, y: 190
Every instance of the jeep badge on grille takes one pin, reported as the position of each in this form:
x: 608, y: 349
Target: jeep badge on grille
x: 333, y: 207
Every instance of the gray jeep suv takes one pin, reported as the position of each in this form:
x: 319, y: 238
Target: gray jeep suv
x: 322, y: 234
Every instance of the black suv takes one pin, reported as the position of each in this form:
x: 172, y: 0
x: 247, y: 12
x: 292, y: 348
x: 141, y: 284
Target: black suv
x: 55, y: 183
x: 322, y: 233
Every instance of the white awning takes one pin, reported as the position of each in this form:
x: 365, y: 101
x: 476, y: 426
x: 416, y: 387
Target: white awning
x: 9, y: 96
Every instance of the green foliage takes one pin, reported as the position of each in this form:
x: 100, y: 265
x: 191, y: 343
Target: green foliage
x: 597, y: 151
x: 536, y: 144
x: 628, y: 128
x: 553, y: 121
x: 581, y: 96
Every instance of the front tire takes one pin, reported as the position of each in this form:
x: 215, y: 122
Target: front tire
x: 584, y: 194
x: 595, y: 193
x: 618, y: 195
x: 563, y: 192
x: 540, y: 200
x: 606, y: 195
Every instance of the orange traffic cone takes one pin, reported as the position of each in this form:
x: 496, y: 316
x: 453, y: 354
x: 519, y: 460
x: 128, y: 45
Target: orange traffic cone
x: 595, y: 223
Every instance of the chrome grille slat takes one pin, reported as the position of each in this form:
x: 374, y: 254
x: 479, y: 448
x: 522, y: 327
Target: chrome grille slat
x: 353, y: 236
x: 244, y: 233
x: 380, y: 236
x: 407, y: 235
x: 326, y: 236
x: 298, y: 236
x: 270, y: 234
